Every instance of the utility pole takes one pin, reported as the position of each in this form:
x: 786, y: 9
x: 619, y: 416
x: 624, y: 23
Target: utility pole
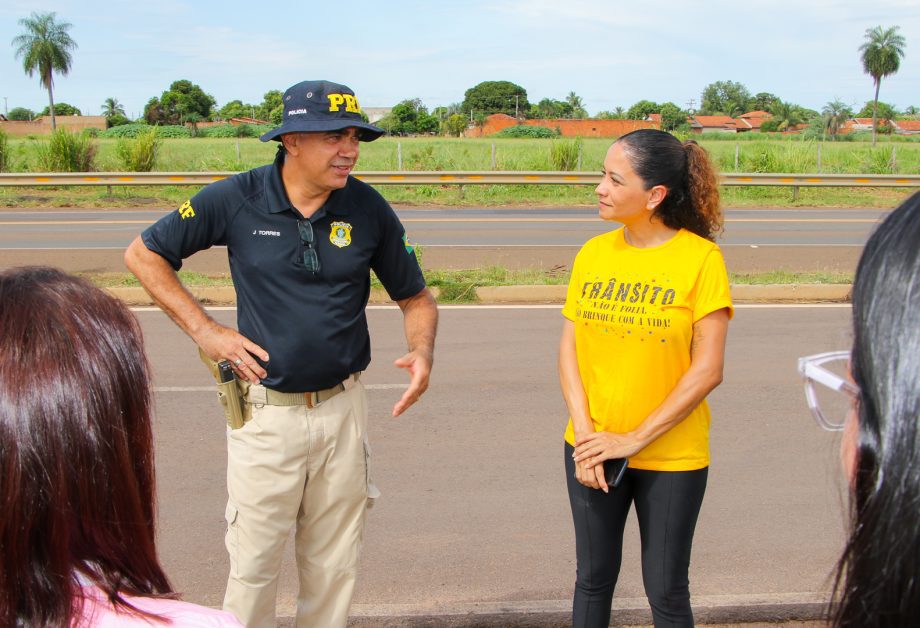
x: 690, y: 104
x: 6, y: 111
x: 516, y: 96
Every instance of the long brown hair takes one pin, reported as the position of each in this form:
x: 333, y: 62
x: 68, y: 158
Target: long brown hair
x: 76, y: 450
x: 692, y: 201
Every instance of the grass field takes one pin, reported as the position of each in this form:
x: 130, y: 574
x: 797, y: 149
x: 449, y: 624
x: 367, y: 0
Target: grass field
x: 773, y: 155
x: 459, y: 286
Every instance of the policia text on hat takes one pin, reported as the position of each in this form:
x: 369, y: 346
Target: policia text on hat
x: 302, y: 236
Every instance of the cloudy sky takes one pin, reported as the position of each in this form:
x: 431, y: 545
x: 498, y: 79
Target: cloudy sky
x: 611, y: 53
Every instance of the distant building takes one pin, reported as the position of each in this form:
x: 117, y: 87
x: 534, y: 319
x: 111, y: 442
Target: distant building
x: 906, y: 127
x: 715, y: 124
x: 753, y: 119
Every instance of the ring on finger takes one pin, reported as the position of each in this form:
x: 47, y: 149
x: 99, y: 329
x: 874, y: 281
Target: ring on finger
x: 238, y: 361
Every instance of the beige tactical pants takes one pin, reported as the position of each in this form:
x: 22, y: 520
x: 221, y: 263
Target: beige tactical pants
x: 296, y: 466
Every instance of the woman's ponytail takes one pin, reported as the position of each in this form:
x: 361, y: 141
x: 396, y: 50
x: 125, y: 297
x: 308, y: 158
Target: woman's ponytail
x: 703, y: 188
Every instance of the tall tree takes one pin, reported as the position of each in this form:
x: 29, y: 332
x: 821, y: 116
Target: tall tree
x: 835, y: 114
x: 577, y: 105
x: 785, y: 116
x: 272, y: 107
x: 20, y: 113
x: 672, y: 117
x: 45, y: 47
x: 884, y: 111
x: 641, y: 109
x: 763, y: 101
x: 61, y: 109
x: 551, y: 109
x: 881, y: 56
x: 111, y: 107
x: 727, y: 98
x: 184, y: 101
x: 496, y: 97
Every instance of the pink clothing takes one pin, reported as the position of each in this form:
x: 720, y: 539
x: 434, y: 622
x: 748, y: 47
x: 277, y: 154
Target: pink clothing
x: 98, y: 613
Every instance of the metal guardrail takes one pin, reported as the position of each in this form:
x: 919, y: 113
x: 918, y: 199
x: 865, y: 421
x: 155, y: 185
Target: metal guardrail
x: 452, y: 178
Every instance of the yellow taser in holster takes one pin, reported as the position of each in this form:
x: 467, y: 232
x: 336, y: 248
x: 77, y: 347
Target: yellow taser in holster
x: 228, y: 390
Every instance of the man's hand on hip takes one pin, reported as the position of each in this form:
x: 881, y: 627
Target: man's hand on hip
x: 224, y: 343
x: 419, y: 366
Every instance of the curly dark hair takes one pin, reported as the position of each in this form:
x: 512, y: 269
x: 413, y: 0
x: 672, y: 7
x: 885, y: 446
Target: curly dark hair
x: 692, y: 201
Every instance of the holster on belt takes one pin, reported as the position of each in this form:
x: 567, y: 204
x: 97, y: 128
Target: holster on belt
x: 229, y: 391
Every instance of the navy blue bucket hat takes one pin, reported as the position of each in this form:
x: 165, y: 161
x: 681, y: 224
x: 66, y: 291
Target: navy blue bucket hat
x: 317, y: 106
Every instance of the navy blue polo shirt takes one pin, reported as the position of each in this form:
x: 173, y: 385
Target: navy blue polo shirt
x: 314, y: 328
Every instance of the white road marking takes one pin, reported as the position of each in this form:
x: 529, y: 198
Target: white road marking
x: 179, y: 389
x: 739, y: 306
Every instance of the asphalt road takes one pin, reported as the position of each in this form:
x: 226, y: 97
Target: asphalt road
x: 755, y: 240
x: 115, y: 228
x: 474, y: 515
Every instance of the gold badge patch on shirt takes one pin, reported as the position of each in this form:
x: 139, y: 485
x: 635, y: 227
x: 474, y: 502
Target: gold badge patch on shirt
x: 340, y: 234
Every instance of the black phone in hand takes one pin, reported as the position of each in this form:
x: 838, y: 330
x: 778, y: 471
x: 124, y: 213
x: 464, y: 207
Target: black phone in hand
x: 614, y: 470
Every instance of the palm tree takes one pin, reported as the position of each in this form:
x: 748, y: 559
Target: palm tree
x: 785, y: 115
x: 835, y: 113
x: 577, y: 104
x: 881, y: 57
x: 111, y: 107
x: 45, y: 46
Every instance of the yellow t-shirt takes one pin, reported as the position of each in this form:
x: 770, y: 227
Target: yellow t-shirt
x: 634, y: 310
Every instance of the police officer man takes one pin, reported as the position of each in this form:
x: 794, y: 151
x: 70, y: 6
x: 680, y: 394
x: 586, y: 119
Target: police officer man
x: 302, y: 236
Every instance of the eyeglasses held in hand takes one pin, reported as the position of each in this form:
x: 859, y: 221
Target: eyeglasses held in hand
x: 310, y: 257
x: 830, y: 402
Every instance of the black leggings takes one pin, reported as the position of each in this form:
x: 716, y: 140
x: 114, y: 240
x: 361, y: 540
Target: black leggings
x: 667, y: 505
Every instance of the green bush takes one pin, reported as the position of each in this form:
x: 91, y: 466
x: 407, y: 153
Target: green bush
x: 172, y: 131
x: 564, y: 154
x: 133, y: 129
x: 139, y: 154
x: 125, y: 130
x: 66, y: 152
x: 229, y: 130
x: 526, y: 131
x: 878, y: 161
x: 5, y: 158
x: 116, y: 120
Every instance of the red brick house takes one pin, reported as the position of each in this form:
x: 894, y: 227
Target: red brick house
x: 906, y: 127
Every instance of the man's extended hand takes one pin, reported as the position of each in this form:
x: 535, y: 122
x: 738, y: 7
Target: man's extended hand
x: 224, y: 343
x: 419, y: 367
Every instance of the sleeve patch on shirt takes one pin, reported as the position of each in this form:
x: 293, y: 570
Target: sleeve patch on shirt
x: 410, y: 249
x: 186, y: 210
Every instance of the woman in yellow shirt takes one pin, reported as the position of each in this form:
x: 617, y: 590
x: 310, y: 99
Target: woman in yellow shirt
x: 647, y: 314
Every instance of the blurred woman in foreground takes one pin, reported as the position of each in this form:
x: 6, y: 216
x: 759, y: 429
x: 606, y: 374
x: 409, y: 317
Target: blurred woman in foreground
x: 878, y: 575
x: 78, y: 516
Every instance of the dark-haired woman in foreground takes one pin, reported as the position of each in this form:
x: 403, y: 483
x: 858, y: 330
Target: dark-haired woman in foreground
x: 878, y: 576
x: 76, y: 463
x: 648, y: 307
